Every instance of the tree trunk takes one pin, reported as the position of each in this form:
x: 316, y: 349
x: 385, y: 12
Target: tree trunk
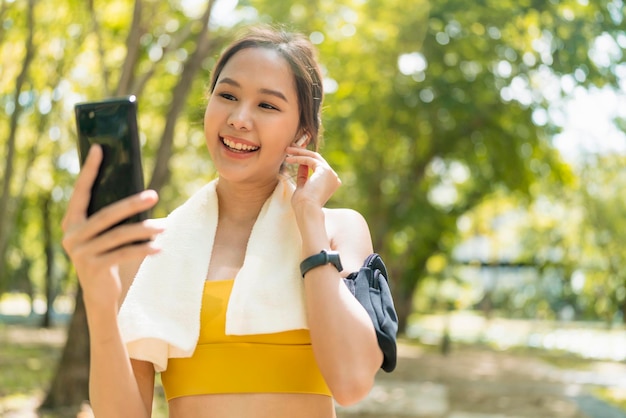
x: 6, y: 215
x: 132, y: 52
x: 95, y: 27
x: 404, y: 306
x: 161, y: 172
x: 70, y: 386
x: 49, y: 254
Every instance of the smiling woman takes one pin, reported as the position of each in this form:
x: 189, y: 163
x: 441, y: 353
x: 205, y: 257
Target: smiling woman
x: 253, y: 114
x: 216, y: 300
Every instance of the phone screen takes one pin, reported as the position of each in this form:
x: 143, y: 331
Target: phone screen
x: 113, y: 125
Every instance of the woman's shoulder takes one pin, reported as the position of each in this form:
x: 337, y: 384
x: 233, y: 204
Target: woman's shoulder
x: 340, y: 216
x: 350, y: 235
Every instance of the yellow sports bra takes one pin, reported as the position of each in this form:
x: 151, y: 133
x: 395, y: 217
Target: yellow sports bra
x: 264, y: 363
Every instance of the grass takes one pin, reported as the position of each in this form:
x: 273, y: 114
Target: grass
x: 29, y: 357
x: 26, y: 367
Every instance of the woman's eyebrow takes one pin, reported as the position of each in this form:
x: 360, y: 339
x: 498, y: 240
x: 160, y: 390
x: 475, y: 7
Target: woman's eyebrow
x: 229, y: 81
x: 276, y: 93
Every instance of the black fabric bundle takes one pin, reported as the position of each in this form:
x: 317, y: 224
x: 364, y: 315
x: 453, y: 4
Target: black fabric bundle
x: 371, y: 288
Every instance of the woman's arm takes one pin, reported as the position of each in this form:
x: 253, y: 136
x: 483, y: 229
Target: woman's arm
x: 117, y: 386
x: 343, y: 336
x: 342, y: 333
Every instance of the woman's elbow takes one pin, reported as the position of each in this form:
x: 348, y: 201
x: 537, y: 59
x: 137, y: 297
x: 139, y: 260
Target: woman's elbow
x: 352, y: 390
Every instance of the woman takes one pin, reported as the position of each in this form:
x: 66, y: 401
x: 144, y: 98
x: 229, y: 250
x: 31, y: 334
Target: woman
x: 285, y: 348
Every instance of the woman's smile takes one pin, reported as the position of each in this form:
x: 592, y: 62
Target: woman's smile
x: 238, y: 145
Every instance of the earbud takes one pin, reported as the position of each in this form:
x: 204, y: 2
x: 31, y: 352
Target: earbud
x: 302, y: 140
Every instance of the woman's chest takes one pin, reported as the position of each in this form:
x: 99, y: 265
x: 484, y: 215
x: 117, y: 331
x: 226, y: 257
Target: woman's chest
x: 229, y: 252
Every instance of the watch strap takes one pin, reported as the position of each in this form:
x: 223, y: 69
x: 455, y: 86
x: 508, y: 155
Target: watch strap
x: 321, y: 259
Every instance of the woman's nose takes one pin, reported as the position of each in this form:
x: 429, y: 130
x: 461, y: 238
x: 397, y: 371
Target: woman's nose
x: 240, y: 117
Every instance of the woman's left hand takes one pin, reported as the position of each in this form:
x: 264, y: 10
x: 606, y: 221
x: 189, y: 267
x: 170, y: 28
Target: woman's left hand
x: 317, y: 188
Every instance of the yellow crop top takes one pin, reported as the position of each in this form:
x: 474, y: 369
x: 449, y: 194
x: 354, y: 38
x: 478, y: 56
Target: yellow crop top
x: 264, y: 363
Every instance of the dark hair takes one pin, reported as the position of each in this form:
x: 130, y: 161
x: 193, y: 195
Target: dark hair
x: 301, y: 56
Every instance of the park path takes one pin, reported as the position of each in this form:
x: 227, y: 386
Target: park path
x: 482, y: 383
x: 469, y: 382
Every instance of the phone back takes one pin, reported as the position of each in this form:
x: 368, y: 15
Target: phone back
x: 112, y: 124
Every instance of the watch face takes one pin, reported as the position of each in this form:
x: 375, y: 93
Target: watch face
x: 333, y: 257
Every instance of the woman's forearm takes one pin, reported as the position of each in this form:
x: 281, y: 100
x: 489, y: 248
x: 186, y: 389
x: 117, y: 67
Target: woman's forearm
x: 113, y: 388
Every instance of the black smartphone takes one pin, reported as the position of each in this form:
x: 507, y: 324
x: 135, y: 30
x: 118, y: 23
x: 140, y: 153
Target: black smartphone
x: 112, y: 124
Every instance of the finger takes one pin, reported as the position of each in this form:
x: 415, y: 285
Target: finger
x: 303, y: 175
x: 79, y: 201
x: 117, y: 212
x: 304, y: 160
x: 130, y: 252
x: 123, y: 235
x: 301, y: 151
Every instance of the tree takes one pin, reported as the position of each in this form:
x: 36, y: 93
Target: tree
x: 431, y: 108
x: 439, y: 104
x: 604, y: 285
x: 84, y: 51
x: 204, y: 45
x: 574, y: 229
x: 69, y: 387
x: 136, y: 71
x: 6, y: 198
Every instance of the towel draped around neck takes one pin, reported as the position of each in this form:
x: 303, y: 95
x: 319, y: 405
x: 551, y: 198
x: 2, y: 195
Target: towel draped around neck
x: 160, y: 316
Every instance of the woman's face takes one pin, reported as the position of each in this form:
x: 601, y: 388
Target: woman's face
x: 252, y: 116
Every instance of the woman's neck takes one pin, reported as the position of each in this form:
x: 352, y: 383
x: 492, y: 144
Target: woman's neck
x: 242, y: 202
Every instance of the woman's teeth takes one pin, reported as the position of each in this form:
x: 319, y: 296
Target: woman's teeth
x: 238, y: 146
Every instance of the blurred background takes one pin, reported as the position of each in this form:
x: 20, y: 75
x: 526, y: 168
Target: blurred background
x: 484, y: 141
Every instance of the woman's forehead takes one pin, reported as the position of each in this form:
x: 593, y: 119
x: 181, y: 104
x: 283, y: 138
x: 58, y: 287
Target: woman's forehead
x: 262, y: 68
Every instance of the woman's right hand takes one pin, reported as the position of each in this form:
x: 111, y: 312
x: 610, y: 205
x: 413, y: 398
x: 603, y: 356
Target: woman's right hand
x: 96, y: 251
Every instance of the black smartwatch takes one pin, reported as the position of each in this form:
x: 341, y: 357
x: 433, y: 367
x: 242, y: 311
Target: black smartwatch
x: 321, y: 259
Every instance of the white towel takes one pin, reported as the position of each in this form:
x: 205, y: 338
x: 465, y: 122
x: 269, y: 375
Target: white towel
x: 160, y: 317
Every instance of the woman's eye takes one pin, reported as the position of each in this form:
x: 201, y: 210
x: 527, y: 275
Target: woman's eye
x: 227, y: 96
x: 268, y: 106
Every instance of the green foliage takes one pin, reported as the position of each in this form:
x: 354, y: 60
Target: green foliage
x: 432, y: 107
x: 603, y: 245
x: 80, y: 54
x: 570, y: 233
